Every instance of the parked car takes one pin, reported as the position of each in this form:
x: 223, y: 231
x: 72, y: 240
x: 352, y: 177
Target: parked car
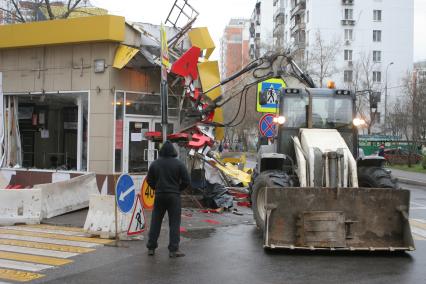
x: 399, y: 156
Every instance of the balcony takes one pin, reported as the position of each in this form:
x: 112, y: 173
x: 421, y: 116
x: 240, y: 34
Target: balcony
x: 299, y: 8
x: 348, y: 2
x: 279, y: 13
x: 348, y: 22
x: 301, y: 45
x: 278, y: 30
x: 297, y: 27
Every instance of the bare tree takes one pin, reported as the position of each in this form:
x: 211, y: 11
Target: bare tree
x: 399, y: 119
x: 416, y: 91
x: 14, y: 12
x: 367, y: 90
x: 240, y: 113
x: 321, y: 58
x: 407, y: 117
x: 28, y: 11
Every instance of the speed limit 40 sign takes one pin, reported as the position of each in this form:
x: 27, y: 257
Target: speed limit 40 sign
x: 148, y: 195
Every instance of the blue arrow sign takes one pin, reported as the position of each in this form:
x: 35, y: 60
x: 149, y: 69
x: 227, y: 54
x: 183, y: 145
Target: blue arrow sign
x: 267, y: 125
x: 125, y: 193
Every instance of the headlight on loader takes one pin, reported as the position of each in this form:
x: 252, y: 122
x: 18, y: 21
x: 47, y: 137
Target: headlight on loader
x: 279, y: 119
x: 358, y: 122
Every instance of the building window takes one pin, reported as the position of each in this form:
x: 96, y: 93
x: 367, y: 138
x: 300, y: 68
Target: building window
x: 377, y: 15
x: 377, y: 118
x: 236, y: 38
x: 377, y: 56
x: 119, y: 120
x: 422, y: 76
x: 349, y: 14
x: 377, y: 76
x: 347, y: 76
x: 375, y: 99
x: 377, y: 36
x: 348, y: 55
x: 46, y: 131
x: 349, y: 34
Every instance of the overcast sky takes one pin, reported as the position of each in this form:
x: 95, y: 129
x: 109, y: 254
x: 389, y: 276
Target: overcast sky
x: 215, y: 16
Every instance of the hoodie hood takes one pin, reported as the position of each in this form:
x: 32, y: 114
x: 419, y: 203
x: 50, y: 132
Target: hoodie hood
x: 167, y: 150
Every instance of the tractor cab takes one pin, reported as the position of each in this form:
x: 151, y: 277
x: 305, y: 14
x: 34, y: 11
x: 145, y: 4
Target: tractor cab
x: 330, y: 108
x: 319, y: 108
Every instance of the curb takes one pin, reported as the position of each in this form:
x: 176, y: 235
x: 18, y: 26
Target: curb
x: 411, y: 181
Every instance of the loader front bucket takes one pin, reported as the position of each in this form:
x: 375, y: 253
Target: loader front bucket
x: 368, y: 219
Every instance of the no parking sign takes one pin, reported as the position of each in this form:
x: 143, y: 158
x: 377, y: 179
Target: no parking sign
x: 267, y: 126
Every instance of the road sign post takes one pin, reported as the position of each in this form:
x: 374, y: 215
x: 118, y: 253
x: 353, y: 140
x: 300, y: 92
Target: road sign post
x: 165, y: 66
x: 137, y: 223
x: 125, y: 193
x: 267, y: 127
x: 148, y: 195
x: 272, y: 87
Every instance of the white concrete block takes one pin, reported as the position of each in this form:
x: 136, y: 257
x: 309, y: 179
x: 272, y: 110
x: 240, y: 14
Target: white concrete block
x: 20, y: 206
x: 100, y: 220
x: 67, y: 196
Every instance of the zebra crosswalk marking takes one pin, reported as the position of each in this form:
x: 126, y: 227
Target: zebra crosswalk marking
x: 52, y: 227
x: 42, y: 230
x: 54, y: 261
x: 41, y: 252
x: 56, y: 236
x: 418, y: 228
x: 48, y: 241
x: 19, y: 276
x: 26, y: 250
x: 47, y: 246
x: 19, y: 265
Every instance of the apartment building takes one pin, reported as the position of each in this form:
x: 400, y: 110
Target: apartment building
x: 373, y: 39
x: 5, y: 17
x: 234, y: 51
x: 261, y: 28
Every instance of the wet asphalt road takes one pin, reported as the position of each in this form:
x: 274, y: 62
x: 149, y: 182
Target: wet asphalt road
x: 234, y: 254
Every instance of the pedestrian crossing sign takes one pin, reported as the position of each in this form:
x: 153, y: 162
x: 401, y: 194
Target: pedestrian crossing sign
x: 273, y: 87
x: 137, y: 223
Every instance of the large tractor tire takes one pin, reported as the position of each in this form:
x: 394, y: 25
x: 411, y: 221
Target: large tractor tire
x: 376, y: 177
x: 266, y: 179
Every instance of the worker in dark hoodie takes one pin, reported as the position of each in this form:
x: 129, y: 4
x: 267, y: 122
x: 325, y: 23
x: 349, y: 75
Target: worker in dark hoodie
x: 168, y: 176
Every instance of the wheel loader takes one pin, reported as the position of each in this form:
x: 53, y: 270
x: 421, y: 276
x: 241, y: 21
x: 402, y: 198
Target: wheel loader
x: 310, y: 189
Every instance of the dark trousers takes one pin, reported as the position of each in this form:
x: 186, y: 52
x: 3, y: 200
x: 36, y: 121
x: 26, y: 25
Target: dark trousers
x: 169, y: 202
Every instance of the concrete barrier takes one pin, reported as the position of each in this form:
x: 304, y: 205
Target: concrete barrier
x: 100, y: 220
x: 66, y: 196
x: 20, y: 206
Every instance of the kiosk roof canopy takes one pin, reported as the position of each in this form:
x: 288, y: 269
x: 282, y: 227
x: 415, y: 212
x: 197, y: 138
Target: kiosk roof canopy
x: 67, y: 31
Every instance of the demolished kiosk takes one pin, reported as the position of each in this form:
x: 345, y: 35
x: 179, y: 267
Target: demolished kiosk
x: 77, y: 103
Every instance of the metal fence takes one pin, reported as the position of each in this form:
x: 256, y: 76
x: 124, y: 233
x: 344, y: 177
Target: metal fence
x: 370, y: 144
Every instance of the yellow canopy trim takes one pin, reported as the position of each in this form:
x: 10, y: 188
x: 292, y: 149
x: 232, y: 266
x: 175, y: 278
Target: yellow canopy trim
x: 123, y: 55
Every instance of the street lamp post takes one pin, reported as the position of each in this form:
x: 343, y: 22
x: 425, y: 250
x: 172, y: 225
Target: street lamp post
x: 386, y: 95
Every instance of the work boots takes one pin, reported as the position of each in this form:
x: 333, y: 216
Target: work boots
x: 174, y: 254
